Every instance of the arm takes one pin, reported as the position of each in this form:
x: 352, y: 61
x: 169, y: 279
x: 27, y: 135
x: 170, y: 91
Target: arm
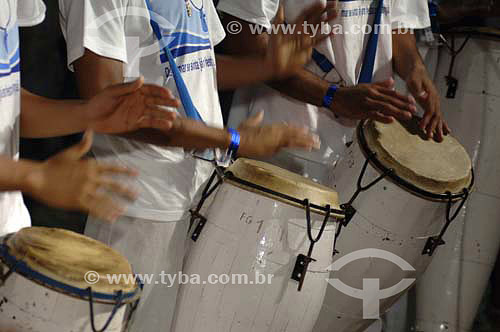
x: 276, y: 56
x: 375, y: 101
x: 120, y: 108
x: 43, y: 117
x: 94, y: 72
x: 14, y: 175
x: 406, y: 57
x: 409, y: 65
x: 303, y: 85
x: 68, y: 182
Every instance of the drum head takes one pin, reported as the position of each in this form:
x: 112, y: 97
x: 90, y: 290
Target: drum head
x: 433, y: 167
x: 281, y: 181
x: 67, y: 257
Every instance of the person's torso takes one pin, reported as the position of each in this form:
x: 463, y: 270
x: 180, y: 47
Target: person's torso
x: 169, y: 177
x: 13, y: 214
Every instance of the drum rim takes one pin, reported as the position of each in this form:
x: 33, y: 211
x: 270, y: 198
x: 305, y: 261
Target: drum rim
x: 20, y: 267
x: 399, y: 181
x: 230, y: 177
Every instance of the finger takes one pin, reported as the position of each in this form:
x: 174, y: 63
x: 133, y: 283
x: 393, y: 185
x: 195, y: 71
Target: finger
x: 297, y: 138
x: 412, y: 100
x: 77, y: 151
x: 255, y: 120
x: 388, y: 84
x: 155, y: 123
x: 117, y: 188
x: 160, y: 113
x: 431, y: 127
x: 126, y: 88
x: 280, y: 17
x: 426, y: 120
x: 388, y: 109
x: 377, y: 116
x: 160, y: 101
x: 151, y: 90
x: 308, y: 14
x: 322, y: 22
x: 393, y: 93
x: 117, y: 170
x: 446, y: 128
x: 103, y: 207
x: 439, y: 132
x: 394, y: 98
x: 320, y: 17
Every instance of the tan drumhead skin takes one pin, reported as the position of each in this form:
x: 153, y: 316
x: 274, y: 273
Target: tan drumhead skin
x: 434, y: 167
x: 66, y: 257
x: 283, y: 181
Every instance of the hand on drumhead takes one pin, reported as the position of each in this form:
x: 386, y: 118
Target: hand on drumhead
x: 378, y: 101
x: 265, y: 141
x: 425, y: 92
x: 131, y: 106
x: 69, y: 182
x: 289, y: 50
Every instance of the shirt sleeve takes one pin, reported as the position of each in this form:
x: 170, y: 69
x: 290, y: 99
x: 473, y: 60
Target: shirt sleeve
x: 260, y: 12
x: 30, y: 12
x: 412, y: 14
x: 217, y: 33
x: 94, y: 25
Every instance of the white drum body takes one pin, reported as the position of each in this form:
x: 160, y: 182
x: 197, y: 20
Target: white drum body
x: 449, y: 293
x: 27, y: 306
x: 248, y: 233
x: 388, y: 218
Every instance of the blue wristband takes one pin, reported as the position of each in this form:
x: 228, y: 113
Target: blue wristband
x: 330, y: 94
x: 235, y: 142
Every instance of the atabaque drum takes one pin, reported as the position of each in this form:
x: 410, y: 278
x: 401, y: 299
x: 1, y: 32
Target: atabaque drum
x: 261, y: 252
x: 57, y: 280
x: 406, y: 190
x: 449, y: 293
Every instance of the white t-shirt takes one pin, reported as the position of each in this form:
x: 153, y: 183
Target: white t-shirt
x: 121, y: 30
x: 13, y: 213
x: 345, y: 51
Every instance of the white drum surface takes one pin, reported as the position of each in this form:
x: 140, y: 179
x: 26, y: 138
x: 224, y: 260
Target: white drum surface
x: 387, y: 218
x: 449, y: 293
x: 26, y: 306
x: 247, y: 234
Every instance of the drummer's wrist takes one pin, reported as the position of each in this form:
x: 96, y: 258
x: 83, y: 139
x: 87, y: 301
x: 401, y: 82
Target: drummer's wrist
x: 25, y: 176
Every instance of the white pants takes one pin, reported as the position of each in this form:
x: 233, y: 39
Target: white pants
x: 152, y: 247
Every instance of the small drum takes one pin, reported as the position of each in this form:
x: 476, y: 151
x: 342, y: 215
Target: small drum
x: 404, y: 188
x: 269, y: 233
x: 57, y: 280
x: 451, y: 290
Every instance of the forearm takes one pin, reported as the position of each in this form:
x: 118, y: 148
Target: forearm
x: 187, y: 133
x: 42, y: 117
x: 15, y: 175
x: 406, y: 56
x: 304, y: 86
x: 236, y: 72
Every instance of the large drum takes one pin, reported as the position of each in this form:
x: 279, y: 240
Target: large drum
x: 450, y: 291
x: 405, y: 188
x: 57, y: 280
x: 261, y: 228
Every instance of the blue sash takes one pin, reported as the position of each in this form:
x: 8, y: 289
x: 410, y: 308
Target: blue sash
x: 184, y: 95
x: 367, y: 69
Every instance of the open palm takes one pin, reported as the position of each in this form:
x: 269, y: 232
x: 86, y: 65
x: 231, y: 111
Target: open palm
x: 131, y: 106
x: 291, y: 48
